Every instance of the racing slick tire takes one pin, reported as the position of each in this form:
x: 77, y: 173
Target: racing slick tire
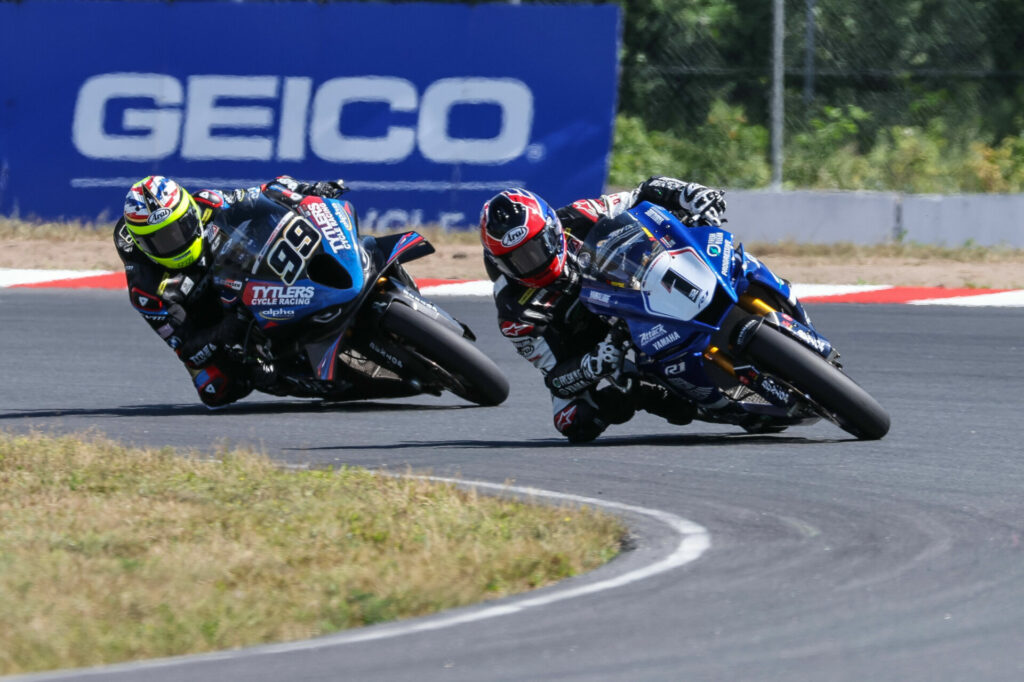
x: 838, y: 396
x: 470, y: 374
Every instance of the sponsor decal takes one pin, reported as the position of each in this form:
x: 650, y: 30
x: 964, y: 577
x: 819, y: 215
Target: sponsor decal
x: 159, y: 215
x: 675, y: 369
x: 277, y: 294
x: 184, y: 117
x: 328, y: 225
x: 515, y: 329
x: 277, y: 313
x: 524, y: 347
x: 726, y: 257
x: 655, y: 332
x: 714, y: 247
x: 661, y: 343
x: 233, y: 284
x: 775, y: 392
x: 514, y: 236
x: 386, y: 355
x: 565, y: 418
x: 656, y: 214
x: 598, y: 296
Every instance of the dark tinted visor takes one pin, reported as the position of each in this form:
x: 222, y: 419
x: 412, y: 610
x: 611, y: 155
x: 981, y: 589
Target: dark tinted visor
x: 533, y: 256
x: 172, y: 239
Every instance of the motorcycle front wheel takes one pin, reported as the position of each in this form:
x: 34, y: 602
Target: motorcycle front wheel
x: 839, y: 398
x: 464, y: 369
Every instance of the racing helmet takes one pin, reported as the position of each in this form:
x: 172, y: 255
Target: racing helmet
x: 524, y: 236
x: 164, y: 221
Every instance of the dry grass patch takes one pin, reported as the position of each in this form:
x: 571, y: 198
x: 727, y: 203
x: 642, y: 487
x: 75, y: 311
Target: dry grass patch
x: 110, y: 553
x: 75, y: 231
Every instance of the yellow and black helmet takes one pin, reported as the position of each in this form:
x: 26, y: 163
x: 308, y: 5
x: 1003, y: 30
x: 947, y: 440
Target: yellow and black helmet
x: 164, y: 221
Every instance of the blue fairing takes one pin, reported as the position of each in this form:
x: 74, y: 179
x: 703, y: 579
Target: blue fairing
x: 289, y: 265
x: 672, y: 284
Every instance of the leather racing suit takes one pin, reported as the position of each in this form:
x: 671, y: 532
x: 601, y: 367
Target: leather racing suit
x: 187, y: 312
x: 553, y: 330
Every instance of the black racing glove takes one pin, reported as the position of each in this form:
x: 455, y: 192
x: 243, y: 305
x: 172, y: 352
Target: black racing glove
x: 572, y: 376
x: 199, y: 349
x: 329, y: 189
x: 707, y: 205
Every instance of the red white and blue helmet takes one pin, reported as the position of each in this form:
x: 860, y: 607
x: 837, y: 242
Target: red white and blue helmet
x: 524, y: 236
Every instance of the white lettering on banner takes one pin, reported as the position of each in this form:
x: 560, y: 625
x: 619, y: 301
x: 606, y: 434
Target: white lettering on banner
x: 161, y: 125
x: 198, y: 140
x: 188, y: 122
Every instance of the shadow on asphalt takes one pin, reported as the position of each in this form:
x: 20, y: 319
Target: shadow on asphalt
x: 716, y: 439
x: 274, y: 407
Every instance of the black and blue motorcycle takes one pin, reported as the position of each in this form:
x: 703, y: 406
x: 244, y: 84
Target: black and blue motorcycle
x: 338, y: 315
x: 710, y: 322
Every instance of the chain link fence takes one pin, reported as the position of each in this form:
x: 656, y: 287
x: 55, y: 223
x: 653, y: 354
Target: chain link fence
x: 941, y: 81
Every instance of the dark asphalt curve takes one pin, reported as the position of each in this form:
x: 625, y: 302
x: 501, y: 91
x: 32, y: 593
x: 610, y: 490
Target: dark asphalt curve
x: 829, y: 558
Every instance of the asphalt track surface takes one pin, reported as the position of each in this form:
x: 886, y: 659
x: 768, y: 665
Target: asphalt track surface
x: 829, y: 558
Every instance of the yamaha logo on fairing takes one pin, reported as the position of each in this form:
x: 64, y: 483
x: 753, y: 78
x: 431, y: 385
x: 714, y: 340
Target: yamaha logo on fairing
x: 514, y: 236
x: 159, y: 215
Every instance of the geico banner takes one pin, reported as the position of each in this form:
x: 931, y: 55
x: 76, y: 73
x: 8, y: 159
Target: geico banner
x: 425, y: 110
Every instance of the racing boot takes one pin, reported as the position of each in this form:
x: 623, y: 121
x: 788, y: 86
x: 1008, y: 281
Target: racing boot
x: 660, y: 402
x: 263, y: 377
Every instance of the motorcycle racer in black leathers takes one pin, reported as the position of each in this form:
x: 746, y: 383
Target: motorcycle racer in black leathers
x: 530, y: 255
x: 166, y: 240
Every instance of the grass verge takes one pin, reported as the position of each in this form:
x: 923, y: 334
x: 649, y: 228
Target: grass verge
x: 110, y: 553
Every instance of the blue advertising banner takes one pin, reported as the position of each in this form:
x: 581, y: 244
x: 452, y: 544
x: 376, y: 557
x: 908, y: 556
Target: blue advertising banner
x: 426, y: 110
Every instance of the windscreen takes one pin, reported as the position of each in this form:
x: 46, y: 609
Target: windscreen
x: 619, y: 251
x: 248, y: 238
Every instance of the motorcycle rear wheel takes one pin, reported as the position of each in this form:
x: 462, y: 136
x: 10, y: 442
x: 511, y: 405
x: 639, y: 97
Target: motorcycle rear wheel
x: 839, y: 397
x: 470, y: 374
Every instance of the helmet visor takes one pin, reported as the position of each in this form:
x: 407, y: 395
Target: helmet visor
x: 534, y: 256
x: 172, y: 239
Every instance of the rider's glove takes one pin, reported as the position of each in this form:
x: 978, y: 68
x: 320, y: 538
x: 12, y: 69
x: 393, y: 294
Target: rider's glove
x: 573, y: 376
x: 705, y: 204
x: 198, y: 350
x: 603, y: 361
x: 328, y: 189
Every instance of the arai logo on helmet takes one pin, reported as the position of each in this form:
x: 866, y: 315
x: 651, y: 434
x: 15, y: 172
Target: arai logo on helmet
x: 158, y: 216
x: 514, y: 236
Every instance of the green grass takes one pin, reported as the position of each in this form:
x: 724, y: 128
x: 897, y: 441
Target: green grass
x: 109, y: 553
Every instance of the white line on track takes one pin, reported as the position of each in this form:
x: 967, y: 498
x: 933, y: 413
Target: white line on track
x: 694, y: 540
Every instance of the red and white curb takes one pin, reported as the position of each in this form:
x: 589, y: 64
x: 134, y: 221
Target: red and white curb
x: 808, y: 293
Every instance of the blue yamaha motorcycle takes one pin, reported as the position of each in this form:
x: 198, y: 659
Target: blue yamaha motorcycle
x: 715, y: 326
x: 338, y: 316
